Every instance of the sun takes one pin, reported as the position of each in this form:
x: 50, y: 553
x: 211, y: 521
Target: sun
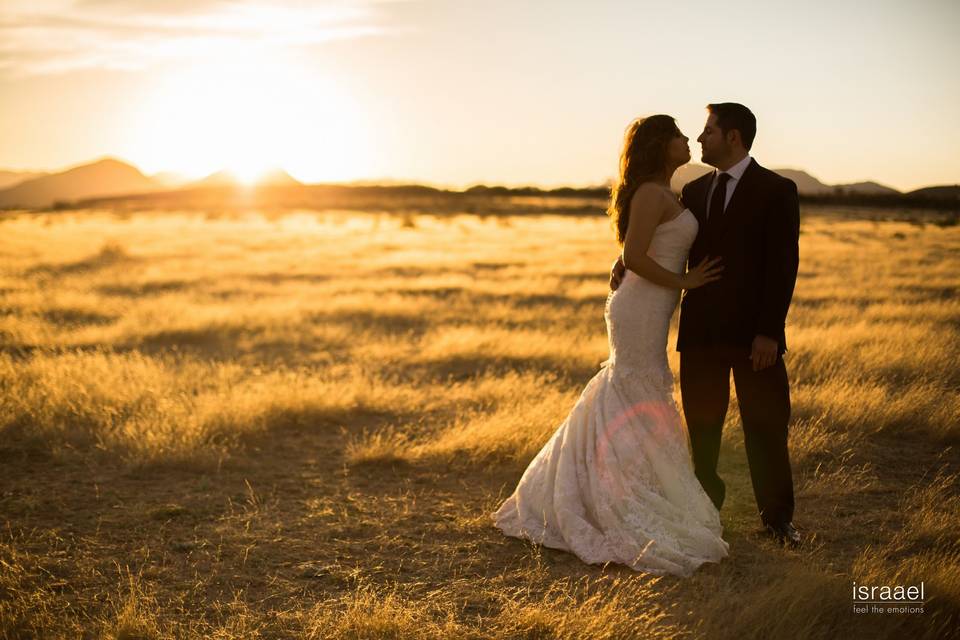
x: 249, y: 115
x: 250, y: 172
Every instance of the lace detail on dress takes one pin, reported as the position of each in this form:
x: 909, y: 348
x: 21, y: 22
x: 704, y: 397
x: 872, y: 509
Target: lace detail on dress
x: 615, y: 482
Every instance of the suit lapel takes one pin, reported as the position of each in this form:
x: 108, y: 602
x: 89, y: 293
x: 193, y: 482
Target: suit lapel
x: 737, y: 205
x: 697, y: 204
x: 698, y: 197
x: 705, y: 198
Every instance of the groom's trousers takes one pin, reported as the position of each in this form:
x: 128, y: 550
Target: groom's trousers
x: 764, y: 400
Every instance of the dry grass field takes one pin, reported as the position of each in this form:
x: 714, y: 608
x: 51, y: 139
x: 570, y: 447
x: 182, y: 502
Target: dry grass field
x: 296, y: 426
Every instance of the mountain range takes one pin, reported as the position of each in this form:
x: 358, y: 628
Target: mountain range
x: 108, y: 177
x: 274, y: 177
x: 806, y: 183
x: 112, y: 177
x: 10, y: 178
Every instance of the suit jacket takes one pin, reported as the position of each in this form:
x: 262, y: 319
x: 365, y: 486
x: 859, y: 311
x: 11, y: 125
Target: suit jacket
x: 758, y: 238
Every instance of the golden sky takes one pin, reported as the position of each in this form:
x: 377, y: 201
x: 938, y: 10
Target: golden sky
x: 461, y: 92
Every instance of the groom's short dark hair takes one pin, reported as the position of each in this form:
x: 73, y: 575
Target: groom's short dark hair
x: 730, y: 116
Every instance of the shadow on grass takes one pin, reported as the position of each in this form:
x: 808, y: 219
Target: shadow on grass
x: 240, y: 344
x: 110, y: 255
x: 146, y: 288
x: 279, y: 277
x: 81, y: 317
x: 282, y: 443
x: 390, y: 323
x: 440, y: 293
x: 584, y: 276
x: 23, y: 351
x: 458, y: 368
x: 211, y: 344
x: 495, y: 266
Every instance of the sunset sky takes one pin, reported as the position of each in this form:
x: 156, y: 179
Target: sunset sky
x: 462, y: 92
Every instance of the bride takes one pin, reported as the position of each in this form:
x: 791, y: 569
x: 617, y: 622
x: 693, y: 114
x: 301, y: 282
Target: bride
x: 615, y: 482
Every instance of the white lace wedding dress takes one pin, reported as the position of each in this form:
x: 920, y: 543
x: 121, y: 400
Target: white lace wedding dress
x: 615, y: 482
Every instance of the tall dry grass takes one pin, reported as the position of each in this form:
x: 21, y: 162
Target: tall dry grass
x: 297, y: 426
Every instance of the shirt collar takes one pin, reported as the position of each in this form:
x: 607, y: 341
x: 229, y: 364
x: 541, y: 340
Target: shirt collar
x: 736, y: 171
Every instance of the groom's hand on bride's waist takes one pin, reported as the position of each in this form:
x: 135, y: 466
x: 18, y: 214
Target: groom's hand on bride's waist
x: 616, y: 273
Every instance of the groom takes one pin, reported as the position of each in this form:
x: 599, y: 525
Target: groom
x: 750, y: 217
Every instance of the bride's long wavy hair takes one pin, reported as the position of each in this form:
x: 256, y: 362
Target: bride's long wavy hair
x: 643, y: 158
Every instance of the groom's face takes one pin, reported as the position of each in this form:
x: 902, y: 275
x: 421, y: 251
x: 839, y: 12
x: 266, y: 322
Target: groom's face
x: 714, y: 146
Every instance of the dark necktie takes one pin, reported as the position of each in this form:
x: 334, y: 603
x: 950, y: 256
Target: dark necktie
x: 717, y: 201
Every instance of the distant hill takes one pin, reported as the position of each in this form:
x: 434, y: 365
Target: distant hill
x: 378, y: 182
x: 170, y: 179
x: 946, y: 192
x: 865, y: 188
x: 688, y: 173
x: 806, y: 183
x: 225, y: 178
x: 106, y: 177
x: 10, y: 178
x: 277, y: 177
x: 114, y: 180
x: 218, y: 179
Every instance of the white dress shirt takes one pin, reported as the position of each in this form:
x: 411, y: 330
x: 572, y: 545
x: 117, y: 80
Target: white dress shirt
x: 735, y: 172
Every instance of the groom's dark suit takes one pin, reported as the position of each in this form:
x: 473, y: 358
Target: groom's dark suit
x: 757, y: 238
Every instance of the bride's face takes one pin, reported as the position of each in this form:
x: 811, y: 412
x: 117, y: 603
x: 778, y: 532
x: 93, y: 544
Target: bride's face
x: 678, y: 151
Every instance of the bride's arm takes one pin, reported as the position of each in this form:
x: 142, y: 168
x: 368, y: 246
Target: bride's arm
x: 646, y: 208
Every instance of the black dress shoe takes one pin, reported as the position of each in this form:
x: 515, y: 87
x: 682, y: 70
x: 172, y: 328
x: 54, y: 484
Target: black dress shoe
x: 784, y: 533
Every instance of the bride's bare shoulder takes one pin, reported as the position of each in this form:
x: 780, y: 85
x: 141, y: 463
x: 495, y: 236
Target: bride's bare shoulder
x: 650, y: 197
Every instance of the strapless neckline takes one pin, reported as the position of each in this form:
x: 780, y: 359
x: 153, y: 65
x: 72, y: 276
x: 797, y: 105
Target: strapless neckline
x: 675, y: 218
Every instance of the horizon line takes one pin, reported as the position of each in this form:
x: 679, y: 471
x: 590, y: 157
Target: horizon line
x: 392, y: 181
